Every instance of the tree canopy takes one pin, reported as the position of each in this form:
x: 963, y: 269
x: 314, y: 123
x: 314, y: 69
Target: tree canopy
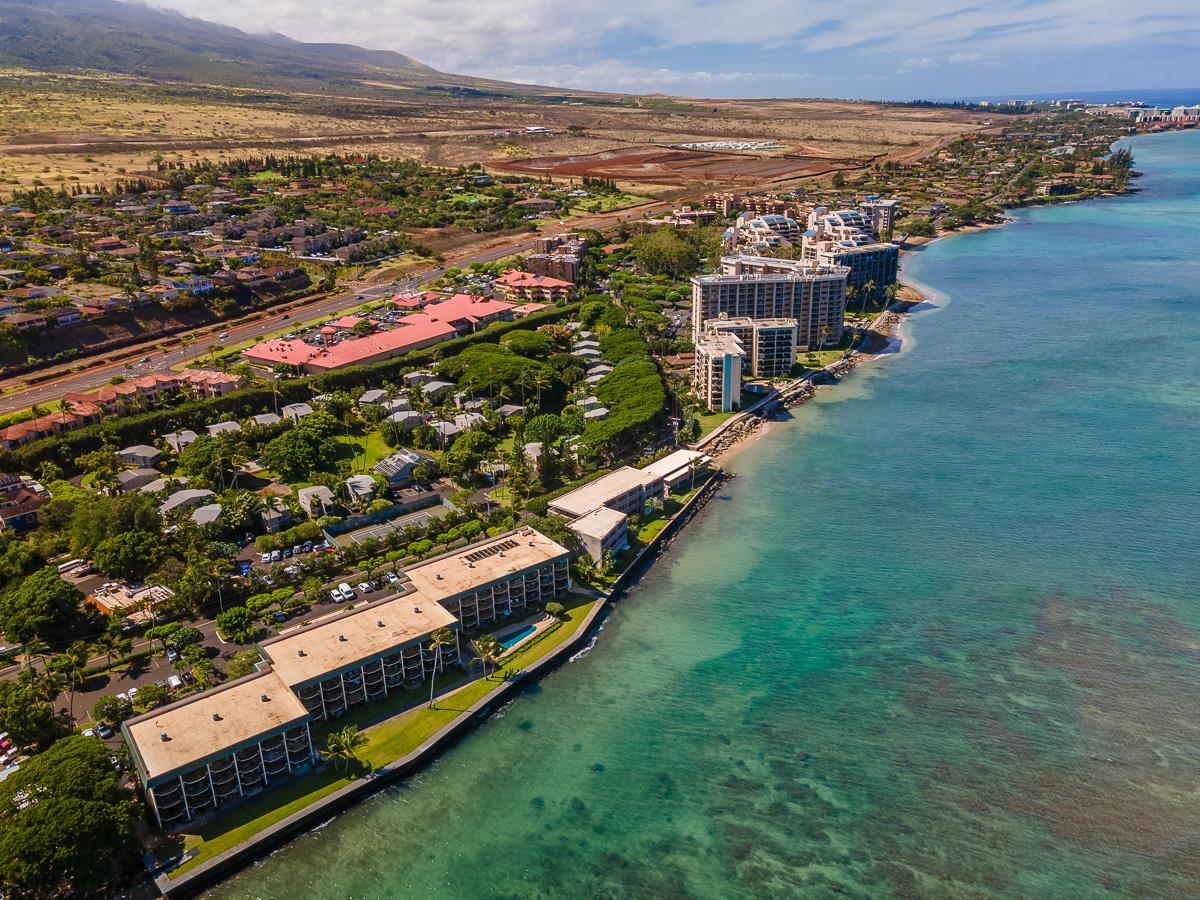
x: 41, y: 605
x: 66, y: 824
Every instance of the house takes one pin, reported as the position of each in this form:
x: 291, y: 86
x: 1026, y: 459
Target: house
x: 275, y: 518
x: 20, y: 500
x: 177, y: 440
x: 23, y: 321
x: 266, y: 419
x: 317, y: 500
x: 65, y: 315
x: 160, y: 484
x: 360, y: 488
x: 140, y: 455
x: 446, y: 431
x: 373, y: 397
x: 135, y: 479
x: 508, y: 410
x: 435, y: 390
x: 187, y: 499
x: 296, y: 411
x: 405, y: 419
x: 197, y: 284
x: 418, y: 378
x: 220, y: 428
x: 398, y: 468
x: 207, y: 514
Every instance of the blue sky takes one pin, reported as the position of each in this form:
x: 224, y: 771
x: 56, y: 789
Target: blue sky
x: 765, y: 48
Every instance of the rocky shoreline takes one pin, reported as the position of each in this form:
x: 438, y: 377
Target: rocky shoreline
x: 752, y: 423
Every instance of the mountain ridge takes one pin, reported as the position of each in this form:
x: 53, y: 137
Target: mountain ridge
x: 130, y: 38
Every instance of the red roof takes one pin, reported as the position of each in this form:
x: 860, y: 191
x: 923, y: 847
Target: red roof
x: 416, y: 301
x: 466, y: 306
x: 516, y: 279
x: 415, y: 332
x: 347, y: 322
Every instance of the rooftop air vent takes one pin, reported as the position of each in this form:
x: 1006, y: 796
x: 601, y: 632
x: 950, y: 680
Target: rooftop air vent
x: 163, y: 736
x: 301, y: 652
x: 416, y: 609
x: 379, y: 622
x: 216, y: 717
x: 439, y: 576
x: 341, y: 637
x: 264, y: 698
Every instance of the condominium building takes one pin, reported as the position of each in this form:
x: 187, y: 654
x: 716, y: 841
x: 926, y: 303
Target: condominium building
x: 848, y: 238
x: 212, y: 748
x: 361, y: 655
x: 882, y: 213
x: 811, y: 294
x: 219, y: 746
x: 769, y: 345
x: 495, y: 578
x: 718, y: 371
x: 625, y: 490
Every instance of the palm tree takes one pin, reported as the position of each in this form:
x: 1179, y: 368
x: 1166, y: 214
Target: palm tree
x: 868, y: 293
x: 107, y: 643
x: 488, y: 649
x: 341, y: 745
x: 35, y: 648
x: 443, y: 637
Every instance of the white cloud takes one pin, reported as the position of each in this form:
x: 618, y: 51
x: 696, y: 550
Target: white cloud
x: 911, y: 65
x: 618, y: 75
x: 494, y: 36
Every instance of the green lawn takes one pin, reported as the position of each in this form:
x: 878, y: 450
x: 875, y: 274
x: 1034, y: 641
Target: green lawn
x: 368, y: 449
x: 710, y: 421
x: 387, y: 741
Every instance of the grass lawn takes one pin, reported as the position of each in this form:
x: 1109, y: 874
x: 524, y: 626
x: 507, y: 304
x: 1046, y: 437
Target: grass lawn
x: 368, y: 449
x: 605, y: 203
x: 387, y: 741
x: 710, y: 421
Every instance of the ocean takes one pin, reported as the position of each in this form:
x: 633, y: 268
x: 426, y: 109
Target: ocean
x: 939, y: 638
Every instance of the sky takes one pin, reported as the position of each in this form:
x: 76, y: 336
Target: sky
x: 763, y: 48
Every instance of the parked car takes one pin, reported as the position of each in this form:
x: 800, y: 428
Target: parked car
x: 307, y: 547
x: 172, y: 654
x: 392, y: 577
x: 276, y: 556
x: 87, y: 732
x: 223, y: 335
x: 174, y: 683
x: 188, y: 678
x: 297, y: 550
x: 279, y: 617
x: 336, y: 596
x: 375, y: 584
x: 103, y: 731
x: 266, y: 558
x: 132, y: 693
x: 346, y: 591
x: 287, y: 552
x: 365, y: 587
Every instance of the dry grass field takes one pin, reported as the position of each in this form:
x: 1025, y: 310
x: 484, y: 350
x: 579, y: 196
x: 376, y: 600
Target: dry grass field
x: 67, y: 129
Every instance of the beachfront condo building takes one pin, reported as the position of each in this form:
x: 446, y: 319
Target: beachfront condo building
x: 769, y: 345
x: 717, y: 376
x: 848, y: 238
x: 811, y: 294
x: 216, y: 747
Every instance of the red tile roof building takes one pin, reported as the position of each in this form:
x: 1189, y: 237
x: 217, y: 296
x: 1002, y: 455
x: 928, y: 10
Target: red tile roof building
x: 526, y: 287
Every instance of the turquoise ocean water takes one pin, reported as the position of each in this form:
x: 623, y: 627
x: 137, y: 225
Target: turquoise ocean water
x: 940, y: 638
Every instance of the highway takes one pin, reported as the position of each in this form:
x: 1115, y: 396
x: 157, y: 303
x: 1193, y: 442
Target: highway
x: 18, y: 393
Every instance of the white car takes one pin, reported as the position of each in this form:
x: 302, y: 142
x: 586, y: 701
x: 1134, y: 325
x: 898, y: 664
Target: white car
x: 336, y: 596
x: 266, y: 558
x: 392, y: 577
x: 346, y: 591
x: 364, y: 587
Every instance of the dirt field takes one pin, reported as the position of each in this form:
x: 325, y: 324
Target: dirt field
x: 675, y: 167
x: 61, y: 130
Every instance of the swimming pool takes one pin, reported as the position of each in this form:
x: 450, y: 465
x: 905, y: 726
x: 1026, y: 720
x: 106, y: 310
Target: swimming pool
x: 517, y: 636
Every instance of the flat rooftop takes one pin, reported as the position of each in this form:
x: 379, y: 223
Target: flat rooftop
x: 598, y: 493
x: 481, y: 564
x: 673, y: 462
x: 599, y: 523
x: 317, y: 651
x: 196, y: 737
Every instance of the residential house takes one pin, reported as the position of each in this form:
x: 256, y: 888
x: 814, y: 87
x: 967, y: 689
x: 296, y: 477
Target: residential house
x: 140, y: 455
x: 317, y: 500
